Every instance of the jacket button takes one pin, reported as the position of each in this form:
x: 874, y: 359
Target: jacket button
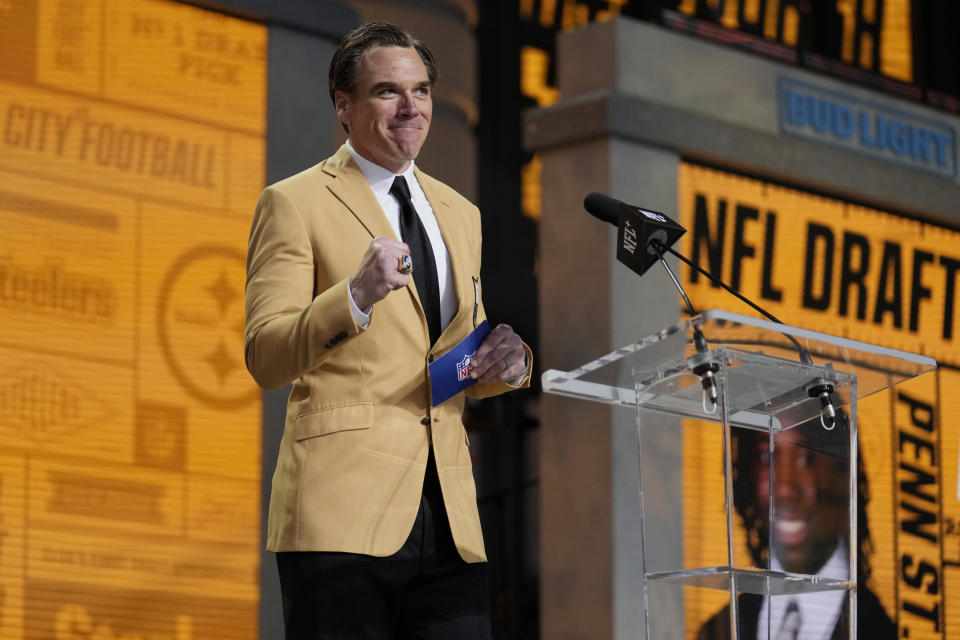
x: 425, y: 421
x: 329, y: 345
x: 342, y: 335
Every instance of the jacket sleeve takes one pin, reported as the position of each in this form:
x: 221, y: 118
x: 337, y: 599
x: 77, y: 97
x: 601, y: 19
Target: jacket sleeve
x: 289, y: 331
x: 485, y: 390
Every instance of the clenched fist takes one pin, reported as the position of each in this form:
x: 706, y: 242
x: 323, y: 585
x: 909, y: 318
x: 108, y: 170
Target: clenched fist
x: 378, y: 274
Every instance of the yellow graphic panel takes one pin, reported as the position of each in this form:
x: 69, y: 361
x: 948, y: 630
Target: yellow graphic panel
x: 84, y: 141
x: 822, y: 264
x: 877, y: 455
x: 917, y: 508
x: 69, y: 38
x: 131, y: 156
x: 858, y: 24
x: 847, y: 270
x: 950, y: 473
x: 13, y: 496
x: 952, y: 614
x: 214, y: 68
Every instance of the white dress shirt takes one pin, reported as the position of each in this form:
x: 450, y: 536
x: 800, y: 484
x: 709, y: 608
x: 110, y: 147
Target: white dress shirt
x: 819, y: 611
x: 380, y: 181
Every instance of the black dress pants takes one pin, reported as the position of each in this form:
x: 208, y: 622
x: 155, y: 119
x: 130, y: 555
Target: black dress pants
x: 425, y: 591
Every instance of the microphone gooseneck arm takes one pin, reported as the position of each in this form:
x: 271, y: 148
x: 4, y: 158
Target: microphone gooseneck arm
x: 804, y: 354
x: 609, y: 210
x: 707, y: 369
x: 822, y: 389
x: 676, y: 282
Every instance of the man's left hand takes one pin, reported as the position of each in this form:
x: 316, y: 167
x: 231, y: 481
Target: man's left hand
x: 499, y: 357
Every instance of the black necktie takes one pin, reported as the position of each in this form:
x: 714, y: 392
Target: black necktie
x: 790, y: 627
x: 421, y: 252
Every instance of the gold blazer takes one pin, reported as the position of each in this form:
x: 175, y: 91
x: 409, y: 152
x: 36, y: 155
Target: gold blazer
x: 351, y: 464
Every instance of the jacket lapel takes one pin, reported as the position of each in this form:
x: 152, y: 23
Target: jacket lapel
x: 454, y: 237
x: 351, y: 188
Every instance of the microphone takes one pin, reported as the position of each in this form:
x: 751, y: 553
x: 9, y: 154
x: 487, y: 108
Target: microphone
x: 643, y: 235
x: 639, y: 231
x: 653, y: 233
x: 603, y: 208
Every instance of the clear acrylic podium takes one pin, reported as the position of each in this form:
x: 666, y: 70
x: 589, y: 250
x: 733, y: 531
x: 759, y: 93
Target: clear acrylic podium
x: 779, y: 449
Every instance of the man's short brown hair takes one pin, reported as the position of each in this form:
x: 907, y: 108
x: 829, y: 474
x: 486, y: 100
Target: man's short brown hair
x: 345, y: 66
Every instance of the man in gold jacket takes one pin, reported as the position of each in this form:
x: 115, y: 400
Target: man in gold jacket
x: 373, y: 511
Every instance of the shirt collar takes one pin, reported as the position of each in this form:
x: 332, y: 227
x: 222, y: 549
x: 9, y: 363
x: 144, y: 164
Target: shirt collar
x: 379, y: 178
x: 835, y: 566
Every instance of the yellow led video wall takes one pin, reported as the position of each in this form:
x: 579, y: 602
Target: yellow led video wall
x: 870, y: 275
x: 131, y: 155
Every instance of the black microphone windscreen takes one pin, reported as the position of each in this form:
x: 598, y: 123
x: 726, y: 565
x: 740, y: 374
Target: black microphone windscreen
x: 603, y: 207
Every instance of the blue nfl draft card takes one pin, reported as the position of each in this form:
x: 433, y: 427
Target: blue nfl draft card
x: 450, y: 374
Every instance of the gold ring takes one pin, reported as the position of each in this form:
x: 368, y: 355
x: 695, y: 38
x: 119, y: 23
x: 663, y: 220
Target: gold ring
x: 404, y: 264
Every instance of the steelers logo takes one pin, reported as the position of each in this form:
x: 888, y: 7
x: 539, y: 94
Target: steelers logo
x: 200, y: 312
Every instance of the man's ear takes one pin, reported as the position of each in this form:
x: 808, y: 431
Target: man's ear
x: 341, y: 103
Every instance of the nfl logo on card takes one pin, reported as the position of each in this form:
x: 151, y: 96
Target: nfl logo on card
x: 463, y: 367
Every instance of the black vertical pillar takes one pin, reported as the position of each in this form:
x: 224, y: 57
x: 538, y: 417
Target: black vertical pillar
x: 509, y: 238
x: 506, y: 478
x: 936, y: 49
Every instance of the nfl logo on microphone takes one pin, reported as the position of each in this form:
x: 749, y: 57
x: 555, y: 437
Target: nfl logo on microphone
x: 463, y: 367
